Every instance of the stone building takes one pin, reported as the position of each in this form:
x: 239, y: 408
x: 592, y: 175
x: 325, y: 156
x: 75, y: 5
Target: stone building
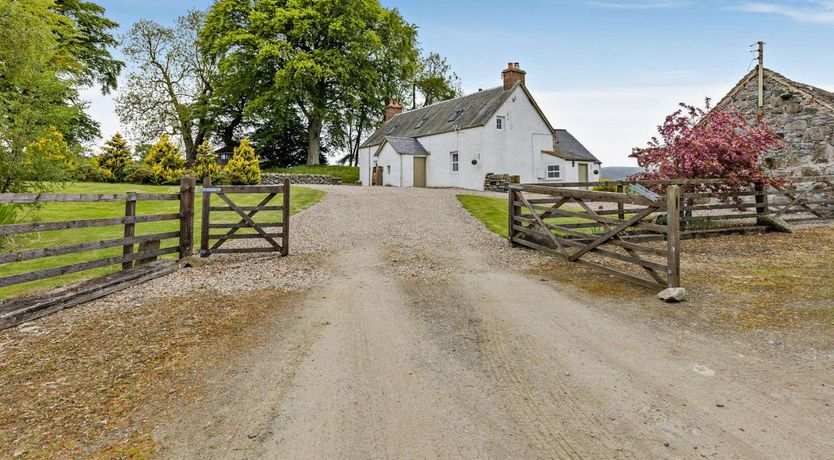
x: 803, y: 115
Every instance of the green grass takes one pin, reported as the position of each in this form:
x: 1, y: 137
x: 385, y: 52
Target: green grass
x: 348, y: 174
x: 301, y: 198
x: 493, y: 212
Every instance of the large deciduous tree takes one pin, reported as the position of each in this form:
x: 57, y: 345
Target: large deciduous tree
x: 435, y: 82
x: 170, y: 90
x: 323, y: 57
x: 699, y: 144
x: 49, y: 50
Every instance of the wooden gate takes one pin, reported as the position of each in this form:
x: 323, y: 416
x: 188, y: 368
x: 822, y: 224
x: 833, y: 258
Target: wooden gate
x: 622, y: 232
x: 278, y: 241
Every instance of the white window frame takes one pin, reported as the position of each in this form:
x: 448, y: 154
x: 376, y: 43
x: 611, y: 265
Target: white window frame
x: 454, y: 157
x: 558, y: 171
x: 500, y: 123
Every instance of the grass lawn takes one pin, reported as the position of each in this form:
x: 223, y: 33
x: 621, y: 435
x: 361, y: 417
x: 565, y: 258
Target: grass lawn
x: 348, y: 174
x: 494, y: 213
x: 301, y: 198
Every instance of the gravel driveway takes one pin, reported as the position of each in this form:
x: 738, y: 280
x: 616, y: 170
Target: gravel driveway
x: 421, y: 335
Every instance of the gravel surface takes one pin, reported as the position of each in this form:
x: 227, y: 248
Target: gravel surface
x: 400, y: 327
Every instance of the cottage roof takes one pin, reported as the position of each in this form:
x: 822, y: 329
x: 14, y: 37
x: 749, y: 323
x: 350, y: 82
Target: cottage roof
x: 461, y: 113
x: 405, y: 146
x: 569, y: 148
x: 825, y: 98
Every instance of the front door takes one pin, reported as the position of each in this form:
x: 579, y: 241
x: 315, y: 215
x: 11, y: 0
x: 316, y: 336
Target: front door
x: 420, y: 171
x: 583, y: 172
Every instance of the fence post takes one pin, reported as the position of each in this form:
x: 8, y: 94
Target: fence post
x: 130, y: 228
x: 761, y: 199
x: 204, y: 218
x: 673, y: 234
x: 285, y: 221
x: 511, y: 214
x: 620, y: 206
x: 187, y: 185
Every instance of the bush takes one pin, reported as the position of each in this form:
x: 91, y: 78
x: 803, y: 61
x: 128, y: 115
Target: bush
x: 206, y: 164
x: 244, y: 167
x: 89, y: 171
x: 166, y: 161
x: 608, y: 187
x: 138, y: 173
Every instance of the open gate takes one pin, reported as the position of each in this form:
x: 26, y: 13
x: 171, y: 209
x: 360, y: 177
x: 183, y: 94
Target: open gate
x: 276, y: 234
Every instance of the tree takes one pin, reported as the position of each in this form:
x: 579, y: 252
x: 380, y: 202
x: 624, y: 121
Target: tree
x: 35, y: 84
x: 320, y: 55
x: 170, y: 90
x: 244, y: 167
x: 115, y: 157
x: 435, y: 82
x: 719, y: 144
x: 206, y: 163
x: 165, y: 160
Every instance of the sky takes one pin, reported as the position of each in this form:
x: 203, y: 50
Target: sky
x: 608, y: 71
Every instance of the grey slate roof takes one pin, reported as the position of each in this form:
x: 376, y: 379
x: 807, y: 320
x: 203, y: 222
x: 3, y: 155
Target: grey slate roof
x: 477, y: 109
x: 569, y: 148
x: 406, y: 145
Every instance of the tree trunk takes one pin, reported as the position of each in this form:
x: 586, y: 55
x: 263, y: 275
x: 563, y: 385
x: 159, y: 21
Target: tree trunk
x: 314, y: 127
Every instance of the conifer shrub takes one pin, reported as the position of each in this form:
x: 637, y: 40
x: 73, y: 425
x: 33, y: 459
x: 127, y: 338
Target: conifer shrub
x: 165, y: 161
x: 244, y: 168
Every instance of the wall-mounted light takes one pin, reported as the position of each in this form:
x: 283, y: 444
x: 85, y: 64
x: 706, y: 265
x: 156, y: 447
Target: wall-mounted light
x: 573, y: 164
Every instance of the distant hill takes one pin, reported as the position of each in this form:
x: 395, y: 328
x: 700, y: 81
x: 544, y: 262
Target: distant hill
x: 619, y: 172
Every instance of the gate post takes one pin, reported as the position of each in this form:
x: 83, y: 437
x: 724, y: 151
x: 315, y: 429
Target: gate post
x: 285, y: 223
x: 512, y: 210
x: 204, y: 218
x: 187, y: 185
x: 130, y: 228
x: 673, y: 235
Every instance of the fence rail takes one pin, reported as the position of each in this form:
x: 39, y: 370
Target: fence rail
x: 149, y: 245
x: 633, y: 227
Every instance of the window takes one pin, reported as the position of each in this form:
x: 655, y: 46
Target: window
x: 456, y: 115
x: 455, y: 164
x: 553, y: 172
x: 388, y: 169
x: 499, y: 123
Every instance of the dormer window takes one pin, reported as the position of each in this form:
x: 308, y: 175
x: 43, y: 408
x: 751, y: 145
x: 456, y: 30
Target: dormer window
x: 456, y: 115
x: 421, y: 123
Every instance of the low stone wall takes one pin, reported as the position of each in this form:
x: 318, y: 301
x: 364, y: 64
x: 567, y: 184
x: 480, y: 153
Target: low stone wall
x: 497, y: 182
x: 312, y: 179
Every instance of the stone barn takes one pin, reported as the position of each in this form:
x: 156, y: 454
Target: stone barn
x: 803, y: 115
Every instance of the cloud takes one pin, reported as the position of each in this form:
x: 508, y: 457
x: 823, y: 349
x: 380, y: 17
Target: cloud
x: 813, y: 11
x: 639, y: 4
x: 610, y: 122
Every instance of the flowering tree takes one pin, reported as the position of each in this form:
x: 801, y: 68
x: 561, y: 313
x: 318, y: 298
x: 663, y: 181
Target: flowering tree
x: 702, y: 144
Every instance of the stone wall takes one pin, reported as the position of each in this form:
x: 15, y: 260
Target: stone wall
x: 806, y: 125
x: 497, y: 182
x: 314, y: 179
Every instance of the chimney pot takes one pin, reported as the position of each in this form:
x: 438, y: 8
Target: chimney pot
x: 392, y: 109
x: 512, y: 75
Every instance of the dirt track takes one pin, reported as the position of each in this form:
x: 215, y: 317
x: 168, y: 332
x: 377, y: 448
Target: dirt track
x: 429, y: 340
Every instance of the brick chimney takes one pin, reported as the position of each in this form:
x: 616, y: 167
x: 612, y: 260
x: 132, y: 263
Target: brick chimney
x: 392, y: 109
x: 513, y: 74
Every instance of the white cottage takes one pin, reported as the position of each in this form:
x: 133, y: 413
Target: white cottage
x: 456, y: 143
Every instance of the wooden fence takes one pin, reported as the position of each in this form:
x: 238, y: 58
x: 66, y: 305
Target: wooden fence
x: 561, y: 221
x: 137, y: 264
x: 263, y: 231
x: 633, y: 227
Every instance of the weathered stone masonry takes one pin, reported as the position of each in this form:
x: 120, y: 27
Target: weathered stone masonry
x: 802, y: 115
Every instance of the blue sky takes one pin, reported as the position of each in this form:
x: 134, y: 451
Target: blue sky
x: 607, y: 70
